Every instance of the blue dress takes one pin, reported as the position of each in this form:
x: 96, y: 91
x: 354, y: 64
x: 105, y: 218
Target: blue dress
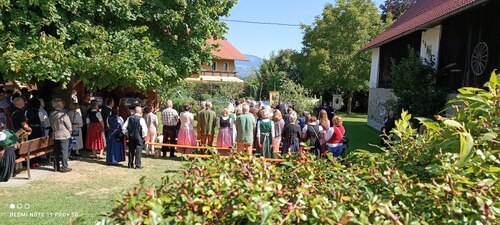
x: 115, y: 150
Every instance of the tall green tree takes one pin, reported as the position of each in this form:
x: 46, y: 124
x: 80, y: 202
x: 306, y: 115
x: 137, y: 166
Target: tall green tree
x: 331, y: 58
x: 106, y: 44
x: 275, y: 71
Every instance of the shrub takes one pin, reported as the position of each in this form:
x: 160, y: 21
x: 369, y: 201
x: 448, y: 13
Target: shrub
x: 297, y: 96
x: 447, y: 174
x: 414, y: 84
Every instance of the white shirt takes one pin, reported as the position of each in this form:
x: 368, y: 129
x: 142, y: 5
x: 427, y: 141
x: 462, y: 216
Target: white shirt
x: 187, y: 120
x: 142, y: 122
x: 98, y: 115
x: 329, y: 133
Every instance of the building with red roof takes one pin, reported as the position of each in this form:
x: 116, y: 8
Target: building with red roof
x: 460, y: 37
x: 223, y: 67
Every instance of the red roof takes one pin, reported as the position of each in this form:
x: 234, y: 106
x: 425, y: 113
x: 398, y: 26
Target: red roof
x: 226, y: 50
x: 422, y: 14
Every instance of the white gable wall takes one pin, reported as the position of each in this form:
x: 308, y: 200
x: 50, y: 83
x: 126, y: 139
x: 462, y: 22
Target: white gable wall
x: 430, y: 44
x: 374, y: 68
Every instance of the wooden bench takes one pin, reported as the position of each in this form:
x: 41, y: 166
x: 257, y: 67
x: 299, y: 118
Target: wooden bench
x: 226, y: 150
x: 34, y: 148
x: 227, y: 157
x: 184, y: 147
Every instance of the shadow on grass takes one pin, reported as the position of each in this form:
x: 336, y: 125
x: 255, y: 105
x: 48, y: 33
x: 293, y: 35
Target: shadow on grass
x: 361, y: 136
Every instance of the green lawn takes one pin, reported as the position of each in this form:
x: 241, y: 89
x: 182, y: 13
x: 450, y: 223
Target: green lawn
x: 92, y: 186
x: 359, y: 133
x: 86, y: 192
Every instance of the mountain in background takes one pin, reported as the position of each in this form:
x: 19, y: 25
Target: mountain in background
x: 245, y: 68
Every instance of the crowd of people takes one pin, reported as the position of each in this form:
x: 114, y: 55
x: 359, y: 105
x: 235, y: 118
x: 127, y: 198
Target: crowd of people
x: 108, y: 130
x: 249, y: 125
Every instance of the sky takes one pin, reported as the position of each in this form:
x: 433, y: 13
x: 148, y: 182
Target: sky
x: 261, y: 40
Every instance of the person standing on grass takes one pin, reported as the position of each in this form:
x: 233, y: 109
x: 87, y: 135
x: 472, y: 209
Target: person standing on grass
x: 265, y: 133
x: 278, y: 124
x: 19, y: 121
x: 245, y: 125
x: 335, y: 137
x: 124, y: 110
x: 152, y: 123
x: 225, y: 136
x: 44, y: 116
x: 208, y: 122
x: 311, y: 131
x: 232, y: 116
x: 136, y: 130
x: 8, y: 145
x: 84, y: 109
x: 324, y: 122
x: 95, y: 140
x: 33, y: 119
x: 186, y: 131
x: 198, y: 125
x: 105, y: 113
x: 291, y: 135
x: 77, y: 123
x: 115, y: 151
x: 169, y: 118
x: 61, y: 127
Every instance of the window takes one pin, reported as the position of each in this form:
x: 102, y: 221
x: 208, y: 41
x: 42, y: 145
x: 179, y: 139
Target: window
x: 226, y: 66
x: 214, y: 65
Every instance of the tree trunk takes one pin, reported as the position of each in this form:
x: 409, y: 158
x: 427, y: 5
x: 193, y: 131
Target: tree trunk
x: 349, y: 102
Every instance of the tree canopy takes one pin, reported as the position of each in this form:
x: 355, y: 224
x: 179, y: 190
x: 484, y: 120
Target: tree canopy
x: 106, y: 44
x: 393, y: 9
x: 331, y: 59
x: 274, y: 72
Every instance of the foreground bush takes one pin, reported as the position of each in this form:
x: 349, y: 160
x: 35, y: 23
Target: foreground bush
x: 447, y: 175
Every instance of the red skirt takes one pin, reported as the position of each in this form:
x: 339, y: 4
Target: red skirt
x: 95, y: 139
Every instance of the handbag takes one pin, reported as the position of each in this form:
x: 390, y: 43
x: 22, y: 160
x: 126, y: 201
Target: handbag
x: 72, y: 143
x: 120, y: 137
x: 75, y: 132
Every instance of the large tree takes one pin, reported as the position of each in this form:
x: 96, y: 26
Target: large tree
x: 393, y: 9
x: 134, y: 43
x: 332, y: 61
x: 274, y: 72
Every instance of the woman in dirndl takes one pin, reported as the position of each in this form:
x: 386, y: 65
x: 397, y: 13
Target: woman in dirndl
x: 186, y: 132
x: 115, y: 150
x: 225, y: 136
x: 95, y: 139
x: 265, y: 133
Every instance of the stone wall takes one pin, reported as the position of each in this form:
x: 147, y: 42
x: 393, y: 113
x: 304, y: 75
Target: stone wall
x: 379, y: 100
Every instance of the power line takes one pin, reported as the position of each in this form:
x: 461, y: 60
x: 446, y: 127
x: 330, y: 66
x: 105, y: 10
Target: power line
x: 262, y: 23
